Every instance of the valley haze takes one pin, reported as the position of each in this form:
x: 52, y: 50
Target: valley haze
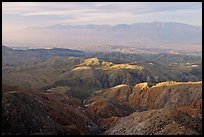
x: 162, y: 35
x: 101, y: 68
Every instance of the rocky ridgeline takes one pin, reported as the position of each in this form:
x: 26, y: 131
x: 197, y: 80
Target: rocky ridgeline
x: 167, y: 108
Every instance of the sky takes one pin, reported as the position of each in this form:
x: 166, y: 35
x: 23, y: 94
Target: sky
x: 26, y: 14
x: 19, y: 15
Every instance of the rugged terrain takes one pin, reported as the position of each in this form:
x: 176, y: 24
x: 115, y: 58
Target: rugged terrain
x: 31, y: 112
x: 166, y: 108
x: 185, y: 96
x: 155, y: 122
x: 46, y: 69
x: 59, y: 91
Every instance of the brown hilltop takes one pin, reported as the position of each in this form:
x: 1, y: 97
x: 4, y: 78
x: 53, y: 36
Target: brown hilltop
x: 168, y: 108
x: 186, y: 96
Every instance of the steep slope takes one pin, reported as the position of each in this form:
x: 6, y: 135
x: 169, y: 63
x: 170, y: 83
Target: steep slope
x: 167, y: 108
x: 104, y: 108
x: 28, y: 112
x: 185, y: 96
x: 155, y: 122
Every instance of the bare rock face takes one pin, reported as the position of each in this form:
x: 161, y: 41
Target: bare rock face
x: 155, y: 122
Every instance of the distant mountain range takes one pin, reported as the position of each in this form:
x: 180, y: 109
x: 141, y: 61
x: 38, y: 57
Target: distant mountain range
x: 137, y: 35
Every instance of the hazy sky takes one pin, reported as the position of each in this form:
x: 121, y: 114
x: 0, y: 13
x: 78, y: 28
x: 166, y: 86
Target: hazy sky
x: 24, y: 14
x: 19, y: 15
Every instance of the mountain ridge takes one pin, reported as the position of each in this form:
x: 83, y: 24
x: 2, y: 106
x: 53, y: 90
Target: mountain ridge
x: 125, y: 25
x: 62, y: 114
x: 136, y: 35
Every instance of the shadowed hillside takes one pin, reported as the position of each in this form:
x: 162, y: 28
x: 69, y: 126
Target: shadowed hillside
x: 168, y: 108
x: 85, y: 75
x: 66, y: 93
x: 185, y: 96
